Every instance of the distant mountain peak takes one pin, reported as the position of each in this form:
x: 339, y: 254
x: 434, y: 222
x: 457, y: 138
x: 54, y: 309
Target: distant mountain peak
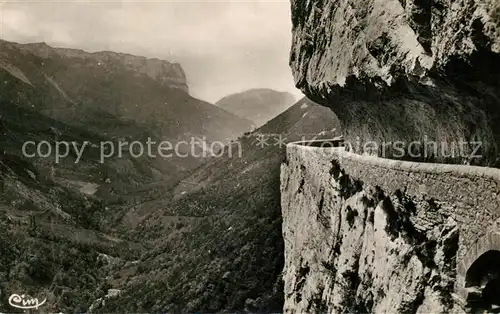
x: 257, y: 104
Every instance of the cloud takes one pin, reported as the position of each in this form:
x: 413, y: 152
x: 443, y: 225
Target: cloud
x: 224, y: 46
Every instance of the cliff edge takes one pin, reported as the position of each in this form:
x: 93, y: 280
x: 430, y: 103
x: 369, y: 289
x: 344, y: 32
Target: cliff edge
x: 370, y: 235
x: 368, y: 229
x: 167, y: 73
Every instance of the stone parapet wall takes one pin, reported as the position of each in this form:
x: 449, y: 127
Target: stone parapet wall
x: 474, y: 192
x: 369, y: 234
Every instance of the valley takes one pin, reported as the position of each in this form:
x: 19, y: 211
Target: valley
x: 174, y: 234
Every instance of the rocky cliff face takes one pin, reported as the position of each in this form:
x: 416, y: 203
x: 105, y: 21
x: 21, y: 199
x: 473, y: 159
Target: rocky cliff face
x: 401, y: 70
x: 368, y: 235
x: 365, y: 234
x: 169, y: 74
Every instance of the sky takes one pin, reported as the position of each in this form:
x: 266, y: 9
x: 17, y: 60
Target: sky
x: 224, y: 46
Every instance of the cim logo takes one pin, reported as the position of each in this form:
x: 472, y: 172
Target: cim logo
x: 25, y: 302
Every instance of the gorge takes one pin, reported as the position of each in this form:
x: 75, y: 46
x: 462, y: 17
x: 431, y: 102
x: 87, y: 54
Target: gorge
x: 316, y: 215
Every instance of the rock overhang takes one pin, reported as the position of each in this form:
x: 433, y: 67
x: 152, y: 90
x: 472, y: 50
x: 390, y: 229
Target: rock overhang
x: 390, y: 62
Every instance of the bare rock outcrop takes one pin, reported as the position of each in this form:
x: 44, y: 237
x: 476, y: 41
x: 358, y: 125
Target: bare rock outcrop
x: 400, y: 70
x: 169, y: 74
x: 369, y: 235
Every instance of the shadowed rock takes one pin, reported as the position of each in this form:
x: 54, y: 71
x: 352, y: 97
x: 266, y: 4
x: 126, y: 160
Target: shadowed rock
x: 404, y: 71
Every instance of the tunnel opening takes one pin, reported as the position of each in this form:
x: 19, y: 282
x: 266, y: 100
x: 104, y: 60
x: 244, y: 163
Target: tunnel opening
x: 483, y: 283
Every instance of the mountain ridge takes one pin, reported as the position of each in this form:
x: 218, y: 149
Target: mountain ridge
x: 170, y: 74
